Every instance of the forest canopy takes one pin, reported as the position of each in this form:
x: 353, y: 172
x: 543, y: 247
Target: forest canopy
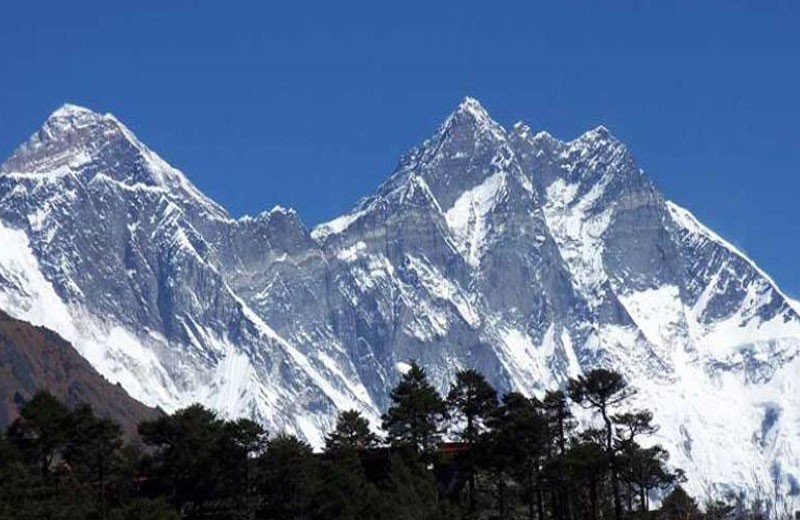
x: 469, y: 454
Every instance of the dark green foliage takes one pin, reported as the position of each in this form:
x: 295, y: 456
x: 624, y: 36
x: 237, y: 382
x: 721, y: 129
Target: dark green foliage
x: 145, y: 509
x: 472, y: 400
x: 410, y: 492
x: 632, y: 425
x: 518, y: 458
x: 678, y: 505
x: 644, y: 470
x: 718, y: 510
x: 587, y: 465
x: 352, y: 433
x: 518, y: 440
x: 202, y: 463
x: 41, y: 432
x: 65, y: 464
x: 560, y: 421
x: 602, y: 390
x: 415, y: 418
x: 92, y: 452
x: 345, y: 492
x: 289, y: 479
x: 185, y: 459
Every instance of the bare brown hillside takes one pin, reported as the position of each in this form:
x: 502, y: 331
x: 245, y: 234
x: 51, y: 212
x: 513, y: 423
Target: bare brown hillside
x: 33, y: 358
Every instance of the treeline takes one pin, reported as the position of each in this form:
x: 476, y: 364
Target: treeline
x: 515, y: 457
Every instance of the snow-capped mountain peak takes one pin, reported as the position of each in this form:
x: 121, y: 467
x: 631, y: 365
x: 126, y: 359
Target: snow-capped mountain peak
x: 524, y: 256
x: 472, y: 108
x: 470, y: 114
x: 70, y: 114
x: 87, y: 145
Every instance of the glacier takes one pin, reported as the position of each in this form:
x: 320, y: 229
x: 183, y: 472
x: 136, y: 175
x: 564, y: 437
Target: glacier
x: 526, y: 257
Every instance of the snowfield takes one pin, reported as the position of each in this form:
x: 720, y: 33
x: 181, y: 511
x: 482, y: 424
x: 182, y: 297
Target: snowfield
x: 525, y: 257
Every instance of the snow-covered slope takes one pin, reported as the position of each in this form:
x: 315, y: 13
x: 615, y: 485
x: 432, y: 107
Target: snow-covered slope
x: 526, y: 257
x: 113, y: 250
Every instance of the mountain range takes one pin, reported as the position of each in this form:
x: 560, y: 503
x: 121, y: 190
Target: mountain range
x: 529, y: 258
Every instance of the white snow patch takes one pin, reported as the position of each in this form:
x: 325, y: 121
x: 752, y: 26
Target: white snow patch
x: 657, y: 312
x: 443, y: 289
x: 335, y: 226
x: 578, y: 232
x: 526, y: 362
x: 467, y: 217
x: 351, y: 253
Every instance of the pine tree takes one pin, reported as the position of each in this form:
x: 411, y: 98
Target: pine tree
x: 345, y: 492
x: 289, y: 479
x: 240, y: 442
x: 560, y: 420
x: 603, y: 390
x: 40, y: 432
x: 186, y: 456
x: 678, y: 505
x: 646, y: 469
x: 410, y: 491
x: 92, y: 450
x: 560, y: 425
x: 630, y: 426
x: 415, y: 418
x: 352, y: 432
x: 473, y: 400
x: 587, y: 466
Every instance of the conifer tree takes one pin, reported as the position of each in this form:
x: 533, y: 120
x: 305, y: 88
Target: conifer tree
x: 410, y: 492
x: 345, y: 491
x: 560, y: 420
x: 415, y: 418
x: 561, y: 425
x: 240, y: 443
x: 588, y: 465
x: 92, y: 450
x: 40, y: 432
x: 678, y: 505
x: 185, y: 456
x: 646, y: 470
x: 602, y: 390
x: 473, y: 400
x: 352, y: 432
x: 289, y: 479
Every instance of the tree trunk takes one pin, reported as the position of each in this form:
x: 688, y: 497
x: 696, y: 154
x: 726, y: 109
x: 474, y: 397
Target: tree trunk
x: 565, y: 503
x: 554, y: 504
x: 540, y: 503
x: 643, y: 495
x: 471, y: 462
x: 612, y: 464
x: 471, y: 485
x: 501, y: 497
x: 529, y: 492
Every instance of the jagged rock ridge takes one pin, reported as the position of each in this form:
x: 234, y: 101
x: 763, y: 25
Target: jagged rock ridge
x: 510, y: 251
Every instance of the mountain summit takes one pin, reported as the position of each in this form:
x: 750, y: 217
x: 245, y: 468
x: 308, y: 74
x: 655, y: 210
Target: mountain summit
x: 526, y: 257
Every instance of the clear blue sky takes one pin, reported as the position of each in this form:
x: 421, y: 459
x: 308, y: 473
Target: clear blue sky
x: 309, y: 105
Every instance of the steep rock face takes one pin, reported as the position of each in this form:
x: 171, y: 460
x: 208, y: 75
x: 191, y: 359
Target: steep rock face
x: 526, y: 257
x: 118, y: 239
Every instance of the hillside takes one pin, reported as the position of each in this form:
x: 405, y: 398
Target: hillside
x: 36, y: 358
